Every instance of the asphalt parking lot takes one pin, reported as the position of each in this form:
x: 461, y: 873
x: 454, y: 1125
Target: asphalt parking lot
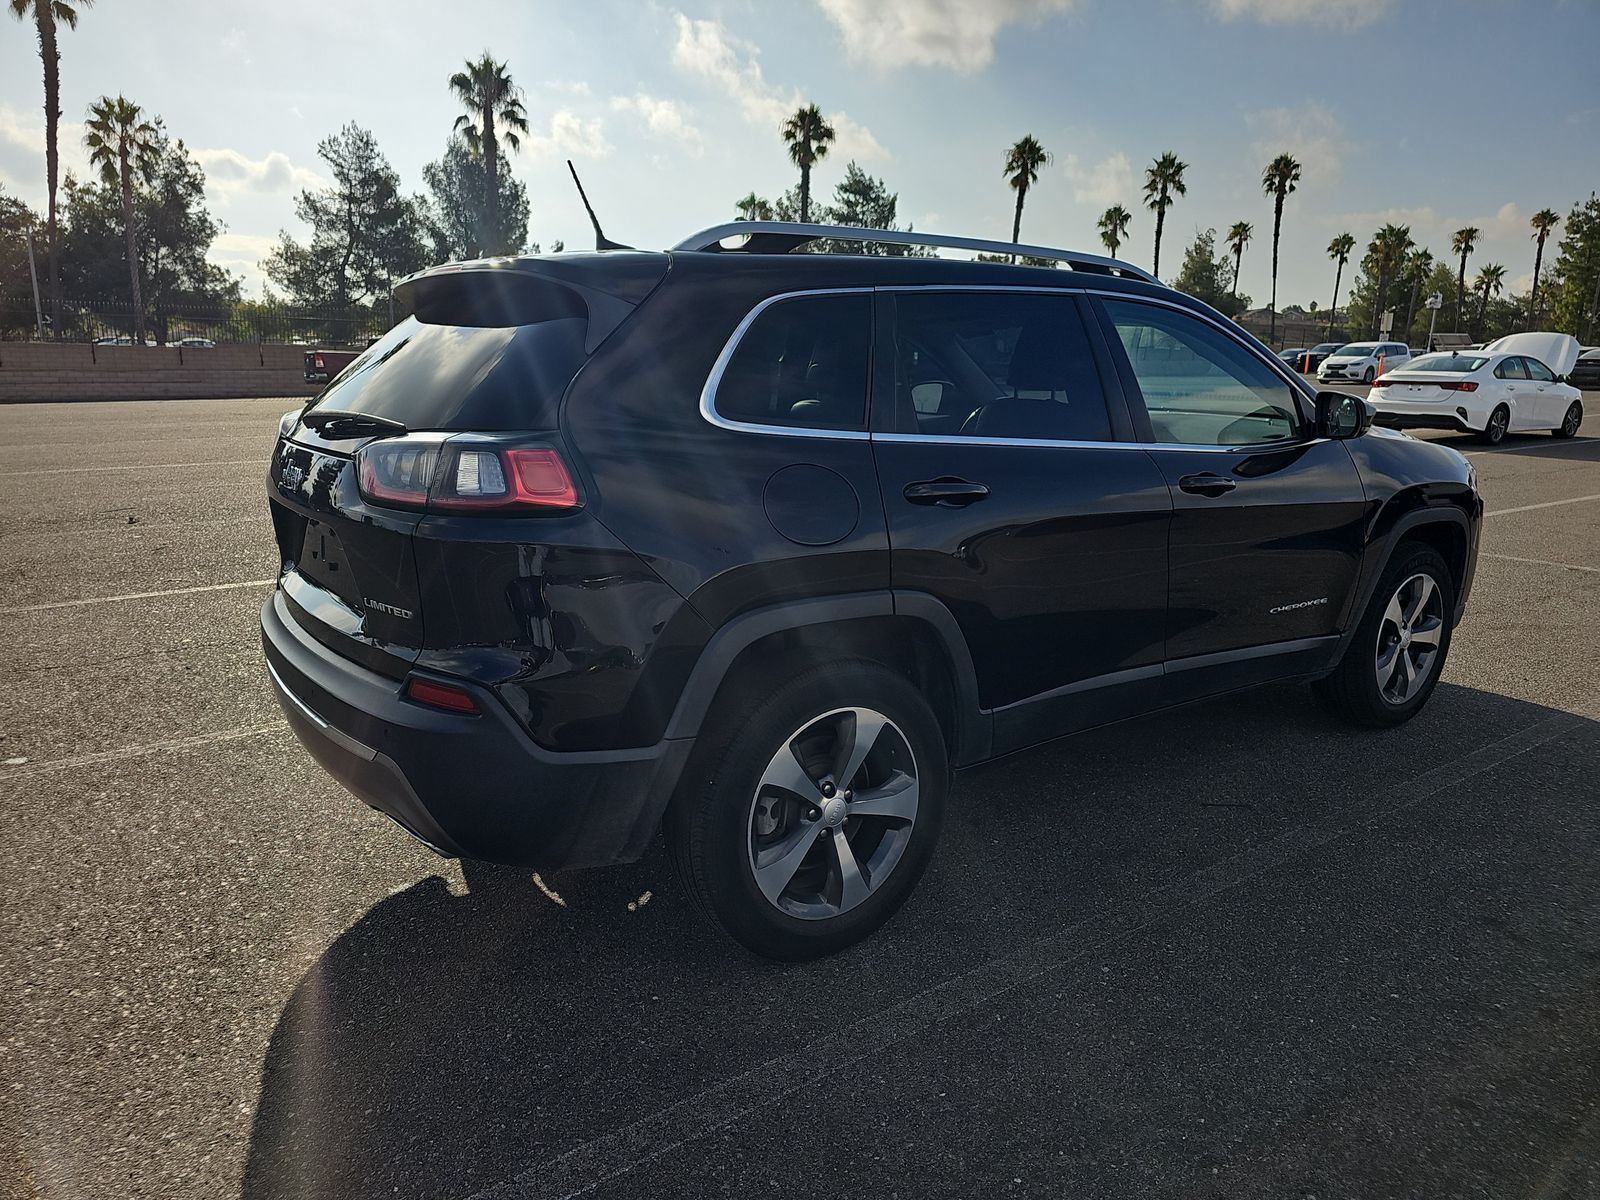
x: 1233, y: 950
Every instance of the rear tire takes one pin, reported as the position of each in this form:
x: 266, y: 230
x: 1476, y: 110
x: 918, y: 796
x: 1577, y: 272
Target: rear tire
x: 1569, y: 423
x: 807, y: 823
x: 1493, y: 433
x: 1394, y: 661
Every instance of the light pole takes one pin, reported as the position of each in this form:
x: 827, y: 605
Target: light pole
x: 1435, y: 302
x: 33, y: 274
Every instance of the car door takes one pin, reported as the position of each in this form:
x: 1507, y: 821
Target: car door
x: 1552, y: 405
x: 1517, y: 388
x: 1266, y: 534
x: 1033, y: 519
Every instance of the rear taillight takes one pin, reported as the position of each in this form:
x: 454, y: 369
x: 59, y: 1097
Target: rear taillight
x: 1378, y: 383
x: 316, y: 361
x: 425, y: 473
x: 1461, y: 385
x: 441, y: 695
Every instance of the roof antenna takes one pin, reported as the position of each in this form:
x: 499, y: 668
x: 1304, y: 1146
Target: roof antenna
x: 601, y: 241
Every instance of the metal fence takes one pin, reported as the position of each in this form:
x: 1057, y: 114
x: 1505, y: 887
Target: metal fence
x: 247, y: 322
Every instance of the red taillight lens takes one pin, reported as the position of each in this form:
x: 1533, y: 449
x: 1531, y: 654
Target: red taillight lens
x: 1377, y: 383
x: 317, y: 361
x: 441, y: 695
x: 1462, y: 385
x: 397, y: 472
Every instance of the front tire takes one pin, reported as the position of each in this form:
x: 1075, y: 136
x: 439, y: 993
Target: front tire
x: 1394, y: 661
x: 1494, y: 432
x: 1570, y: 422
x: 1368, y: 375
x: 807, y: 825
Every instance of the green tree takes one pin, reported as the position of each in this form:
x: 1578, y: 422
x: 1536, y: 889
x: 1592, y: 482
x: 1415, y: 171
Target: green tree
x: 1543, y: 222
x: 1113, y: 227
x: 16, y: 221
x: 1239, y: 235
x: 123, y: 147
x: 1163, y: 179
x: 1023, y: 161
x: 754, y: 208
x: 364, y: 233
x: 1575, y: 277
x: 1281, y: 177
x: 458, y: 216
x: 1207, y: 276
x: 1339, y: 250
x: 1414, y: 270
x: 808, y: 135
x: 47, y: 15
x: 494, y: 114
x: 1490, y: 282
x: 864, y: 202
x: 1385, y: 253
x: 1463, y: 242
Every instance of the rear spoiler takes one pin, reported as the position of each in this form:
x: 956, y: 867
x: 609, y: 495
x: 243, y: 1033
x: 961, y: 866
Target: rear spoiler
x: 521, y: 291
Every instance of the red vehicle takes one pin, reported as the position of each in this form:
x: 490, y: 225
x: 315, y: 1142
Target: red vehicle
x: 323, y: 365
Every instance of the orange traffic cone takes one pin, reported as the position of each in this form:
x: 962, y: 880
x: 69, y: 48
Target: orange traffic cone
x: 1380, y: 364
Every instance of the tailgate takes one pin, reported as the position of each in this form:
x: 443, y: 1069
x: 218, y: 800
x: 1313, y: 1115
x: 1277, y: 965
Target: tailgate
x: 348, y: 567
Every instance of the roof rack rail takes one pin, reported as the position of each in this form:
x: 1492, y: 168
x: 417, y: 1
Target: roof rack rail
x: 780, y: 237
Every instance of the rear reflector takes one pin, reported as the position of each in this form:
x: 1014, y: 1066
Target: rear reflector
x: 441, y: 695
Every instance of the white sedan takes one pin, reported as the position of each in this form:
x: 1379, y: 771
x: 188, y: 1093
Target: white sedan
x: 1513, y: 385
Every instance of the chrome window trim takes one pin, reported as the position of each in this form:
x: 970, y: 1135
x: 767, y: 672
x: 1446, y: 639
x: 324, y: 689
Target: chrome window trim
x: 708, y: 407
x: 708, y: 391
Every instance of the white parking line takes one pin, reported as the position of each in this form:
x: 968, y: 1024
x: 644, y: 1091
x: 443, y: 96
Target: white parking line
x: 1502, y: 512
x: 168, y: 746
x: 1541, y: 562
x: 188, y: 591
x: 226, y: 462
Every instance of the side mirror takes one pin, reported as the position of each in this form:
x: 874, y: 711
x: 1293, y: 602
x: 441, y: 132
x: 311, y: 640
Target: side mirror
x: 1341, y: 415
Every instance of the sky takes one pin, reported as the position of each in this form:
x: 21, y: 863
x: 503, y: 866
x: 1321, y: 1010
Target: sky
x: 1431, y: 113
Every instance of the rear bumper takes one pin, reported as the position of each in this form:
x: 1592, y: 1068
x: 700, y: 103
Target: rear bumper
x: 1430, y: 420
x: 467, y: 786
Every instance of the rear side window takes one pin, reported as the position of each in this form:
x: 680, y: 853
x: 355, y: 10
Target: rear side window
x: 801, y: 364
x: 989, y: 364
x: 458, y: 377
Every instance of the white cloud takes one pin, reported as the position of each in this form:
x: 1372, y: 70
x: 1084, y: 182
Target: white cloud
x: 664, y: 118
x: 570, y: 136
x: 1309, y: 131
x: 707, y: 50
x: 931, y: 33
x: 1109, y: 181
x: 22, y: 152
x: 1341, y: 14
x: 242, y: 253
x: 229, y: 172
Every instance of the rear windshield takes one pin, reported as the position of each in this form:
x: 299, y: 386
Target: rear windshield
x: 456, y: 377
x: 1453, y: 364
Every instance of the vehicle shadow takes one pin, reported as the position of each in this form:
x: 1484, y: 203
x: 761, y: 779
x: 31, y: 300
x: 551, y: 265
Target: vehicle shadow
x: 1535, y: 445
x: 445, y: 1043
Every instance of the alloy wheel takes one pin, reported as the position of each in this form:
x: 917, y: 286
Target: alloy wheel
x: 1499, y: 420
x: 1408, y: 638
x: 1574, y: 418
x: 833, y: 813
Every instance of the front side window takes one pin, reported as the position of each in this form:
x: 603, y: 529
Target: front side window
x: 996, y: 365
x: 1200, y: 387
x: 1537, y: 370
x: 801, y: 364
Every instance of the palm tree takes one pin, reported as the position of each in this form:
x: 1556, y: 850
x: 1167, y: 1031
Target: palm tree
x: 485, y: 90
x: 1163, y: 179
x: 1278, y: 180
x: 1543, y: 222
x: 1388, y: 249
x: 1417, y: 265
x: 754, y: 208
x: 1023, y: 161
x: 1114, y: 227
x: 808, y: 135
x: 46, y: 14
x: 1463, y: 242
x: 1238, y: 238
x: 122, y: 145
x: 1339, y: 250
x: 1491, y: 280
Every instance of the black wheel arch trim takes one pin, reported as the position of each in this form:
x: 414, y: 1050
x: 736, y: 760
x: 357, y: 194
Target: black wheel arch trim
x: 972, y: 741
x: 1385, y: 534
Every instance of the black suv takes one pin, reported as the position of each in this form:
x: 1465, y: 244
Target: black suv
x: 759, y: 546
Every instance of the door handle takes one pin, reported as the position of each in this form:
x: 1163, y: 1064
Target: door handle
x: 1206, y: 484
x: 945, y: 492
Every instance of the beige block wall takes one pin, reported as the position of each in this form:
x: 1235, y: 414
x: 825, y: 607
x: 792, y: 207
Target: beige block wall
x: 70, y: 371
